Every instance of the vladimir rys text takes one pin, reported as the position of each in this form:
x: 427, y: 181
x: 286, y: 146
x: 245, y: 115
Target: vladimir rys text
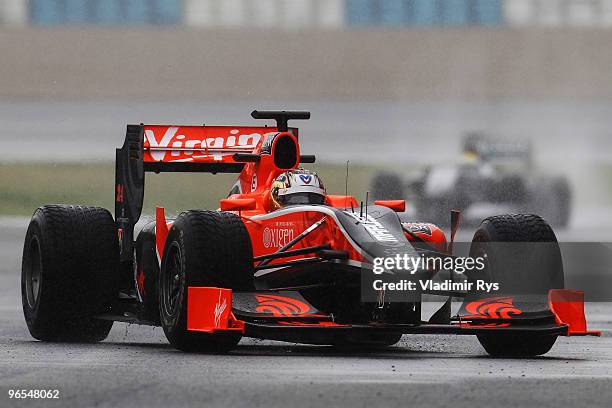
x: 424, y: 264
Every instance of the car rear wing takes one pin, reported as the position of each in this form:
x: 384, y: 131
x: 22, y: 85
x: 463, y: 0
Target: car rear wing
x: 496, y: 149
x: 167, y: 148
x: 170, y: 148
x: 210, y: 149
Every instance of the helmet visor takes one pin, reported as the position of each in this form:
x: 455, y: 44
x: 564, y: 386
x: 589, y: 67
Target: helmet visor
x: 301, y: 198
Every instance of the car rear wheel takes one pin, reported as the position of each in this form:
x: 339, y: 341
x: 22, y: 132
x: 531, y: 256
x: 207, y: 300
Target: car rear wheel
x: 552, y: 198
x: 203, y: 248
x: 531, y: 267
x: 69, y: 273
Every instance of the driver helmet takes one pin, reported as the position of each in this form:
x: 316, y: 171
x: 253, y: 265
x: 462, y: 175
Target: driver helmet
x: 297, y: 186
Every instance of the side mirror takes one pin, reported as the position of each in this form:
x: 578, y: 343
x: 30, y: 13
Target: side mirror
x: 395, y: 205
x: 238, y: 204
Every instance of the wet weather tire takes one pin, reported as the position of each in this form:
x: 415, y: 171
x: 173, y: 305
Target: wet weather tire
x: 69, y: 273
x: 203, y: 248
x: 522, y: 270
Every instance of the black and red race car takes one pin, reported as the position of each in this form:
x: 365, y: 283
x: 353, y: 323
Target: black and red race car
x: 299, y: 272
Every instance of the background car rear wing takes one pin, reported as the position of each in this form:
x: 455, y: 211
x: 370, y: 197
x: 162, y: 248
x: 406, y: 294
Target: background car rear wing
x: 488, y: 148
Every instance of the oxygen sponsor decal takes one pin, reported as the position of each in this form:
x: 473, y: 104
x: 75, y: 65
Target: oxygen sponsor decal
x: 277, y: 237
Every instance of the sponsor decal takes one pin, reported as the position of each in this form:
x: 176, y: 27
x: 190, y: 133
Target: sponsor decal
x: 254, y: 183
x: 374, y: 228
x: 306, y: 178
x: 281, y: 306
x: 120, y: 196
x: 494, y: 308
x: 277, y: 237
x: 284, y: 223
x: 178, y: 144
x: 219, y: 309
x: 418, y: 228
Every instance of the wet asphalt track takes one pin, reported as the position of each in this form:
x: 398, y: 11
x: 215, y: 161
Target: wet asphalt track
x: 135, y: 367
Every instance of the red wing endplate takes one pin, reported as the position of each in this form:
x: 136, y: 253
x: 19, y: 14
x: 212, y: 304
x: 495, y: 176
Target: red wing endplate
x: 568, y: 308
x: 209, y: 310
x: 562, y: 307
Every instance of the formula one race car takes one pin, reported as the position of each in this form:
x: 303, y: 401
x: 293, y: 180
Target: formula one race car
x: 280, y: 259
x: 494, y: 176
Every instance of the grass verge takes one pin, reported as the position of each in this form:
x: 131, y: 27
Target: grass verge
x: 26, y: 186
